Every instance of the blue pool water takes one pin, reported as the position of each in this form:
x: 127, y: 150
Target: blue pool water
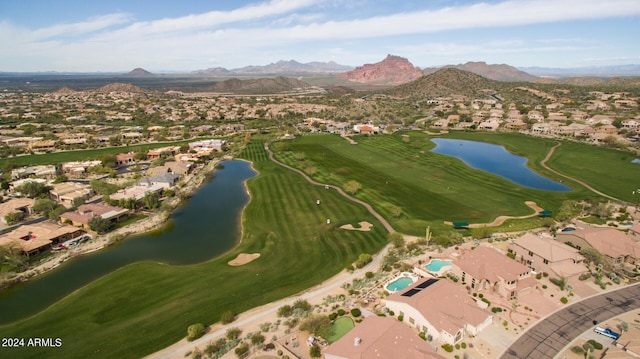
x: 497, y: 160
x: 435, y: 265
x: 568, y: 229
x: 399, y: 284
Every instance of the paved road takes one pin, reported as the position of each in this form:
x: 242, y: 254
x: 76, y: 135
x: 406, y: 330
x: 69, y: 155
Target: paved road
x: 551, y: 335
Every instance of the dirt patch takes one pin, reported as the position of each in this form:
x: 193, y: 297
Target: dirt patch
x: 364, y: 227
x: 243, y: 258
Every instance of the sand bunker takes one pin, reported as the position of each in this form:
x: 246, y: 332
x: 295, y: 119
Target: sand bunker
x: 364, y: 227
x: 501, y: 219
x: 243, y: 258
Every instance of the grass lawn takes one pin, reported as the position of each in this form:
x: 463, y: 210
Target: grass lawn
x: 147, y: 306
x: 340, y: 326
x: 400, y: 171
x: 83, y: 155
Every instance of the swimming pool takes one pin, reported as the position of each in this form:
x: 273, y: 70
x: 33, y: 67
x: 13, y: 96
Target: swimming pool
x: 399, y: 283
x: 436, y: 265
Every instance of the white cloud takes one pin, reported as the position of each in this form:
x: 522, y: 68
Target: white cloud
x: 279, y: 26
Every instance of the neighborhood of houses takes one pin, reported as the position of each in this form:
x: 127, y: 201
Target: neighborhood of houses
x: 22, y: 228
x: 441, y: 308
x: 446, y: 307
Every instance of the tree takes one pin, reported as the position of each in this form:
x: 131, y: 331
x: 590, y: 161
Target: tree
x: 319, y: 325
x: 151, y: 200
x: 352, y: 186
x: 195, y: 331
x: 233, y: 333
x: 48, y: 208
x: 78, y: 201
x: 396, y: 211
x: 227, y: 317
x: 11, y: 255
x: 314, y: 352
x: 592, y: 255
x: 285, y: 311
x: 257, y: 339
x: 99, y: 224
x: 397, y: 239
x: 363, y: 260
x: 140, y: 156
x: 602, y: 210
x: 13, y: 217
x: 33, y: 189
x: 567, y: 210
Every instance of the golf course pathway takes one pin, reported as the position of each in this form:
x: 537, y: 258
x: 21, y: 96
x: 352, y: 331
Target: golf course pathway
x: 543, y: 163
x: 343, y: 193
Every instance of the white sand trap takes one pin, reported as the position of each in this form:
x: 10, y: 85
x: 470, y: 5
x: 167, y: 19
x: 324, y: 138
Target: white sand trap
x: 244, y: 258
x: 364, y: 227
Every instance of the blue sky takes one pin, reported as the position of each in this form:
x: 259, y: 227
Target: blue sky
x: 188, y: 35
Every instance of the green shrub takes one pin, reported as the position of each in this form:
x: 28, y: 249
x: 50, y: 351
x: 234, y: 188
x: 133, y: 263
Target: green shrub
x: 577, y: 349
x: 564, y: 300
x: 463, y: 345
x: 195, y: 331
x: 447, y: 347
x: 401, y: 317
x: 596, y: 345
x: 355, y: 312
x: 341, y: 312
x: 333, y: 316
x: 423, y: 336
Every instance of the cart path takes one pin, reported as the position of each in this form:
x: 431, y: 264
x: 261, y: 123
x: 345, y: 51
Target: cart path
x: 543, y: 163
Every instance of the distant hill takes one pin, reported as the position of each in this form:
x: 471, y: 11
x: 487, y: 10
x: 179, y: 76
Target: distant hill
x: 270, y: 85
x: 393, y: 70
x: 214, y: 71
x: 500, y: 72
x: 284, y: 68
x: 593, y: 71
x: 446, y: 82
x: 120, y: 87
x: 138, y: 72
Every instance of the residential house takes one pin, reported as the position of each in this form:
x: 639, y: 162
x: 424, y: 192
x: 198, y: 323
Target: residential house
x: 617, y: 246
x: 486, y: 269
x: 159, y: 152
x: 36, y: 238
x: 442, y: 123
x: 631, y: 124
x: 381, y: 337
x: 136, y: 192
x: 16, y: 205
x: 46, y: 171
x: 123, y: 159
x: 181, y: 168
x: 163, y: 180
x: 544, y: 254
x: 215, y: 145
x: 85, y: 212
x: 66, y: 192
x: 44, y: 145
x: 16, y: 184
x: 441, y: 309
x: 491, y: 124
x: 78, y: 168
x: 626, y: 346
x: 634, y: 231
x: 599, y: 119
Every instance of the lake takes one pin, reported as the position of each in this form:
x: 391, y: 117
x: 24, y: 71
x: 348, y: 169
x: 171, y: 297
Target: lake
x: 204, y: 227
x: 497, y: 160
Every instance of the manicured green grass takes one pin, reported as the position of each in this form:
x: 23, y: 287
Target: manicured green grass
x: 607, y: 170
x: 399, y: 170
x: 340, y: 327
x: 82, y: 155
x: 147, y: 306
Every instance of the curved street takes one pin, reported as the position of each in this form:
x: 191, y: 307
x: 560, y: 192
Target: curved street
x: 557, y: 330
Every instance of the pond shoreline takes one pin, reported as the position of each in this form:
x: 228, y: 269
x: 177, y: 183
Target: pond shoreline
x: 153, y: 222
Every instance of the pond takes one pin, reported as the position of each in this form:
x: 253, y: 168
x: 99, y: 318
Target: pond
x: 497, y: 160
x: 206, y: 226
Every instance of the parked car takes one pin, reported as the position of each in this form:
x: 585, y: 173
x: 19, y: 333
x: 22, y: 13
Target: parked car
x: 607, y: 332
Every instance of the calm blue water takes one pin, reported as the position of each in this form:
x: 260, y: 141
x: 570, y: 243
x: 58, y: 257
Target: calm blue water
x: 207, y: 226
x: 497, y: 160
x: 435, y: 265
x: 399, y: 284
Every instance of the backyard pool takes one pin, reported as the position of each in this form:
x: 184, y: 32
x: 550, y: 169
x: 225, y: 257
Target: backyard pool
x: 436, y: 265
x: 400, y: 283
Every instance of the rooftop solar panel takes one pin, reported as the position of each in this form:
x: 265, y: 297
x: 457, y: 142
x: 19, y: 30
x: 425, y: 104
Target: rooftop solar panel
x: 410, y: 292
x: 426, y: 283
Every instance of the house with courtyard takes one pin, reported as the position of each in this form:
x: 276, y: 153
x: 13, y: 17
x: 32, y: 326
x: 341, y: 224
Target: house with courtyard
x: 617, y: 246
x: 381, y: 337
x: 37, y: 238
x: 441, y: 309
x: 85, y: 212
x: 487, y: 269
x: 180, y: 168
x: 544, y: 254
x: 136, y: 192
x: 164, y: 180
